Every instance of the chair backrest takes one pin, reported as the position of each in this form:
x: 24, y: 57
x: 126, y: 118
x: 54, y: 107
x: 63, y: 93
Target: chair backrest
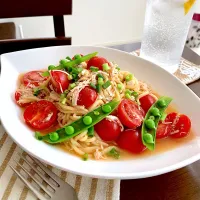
x: 32, y: 8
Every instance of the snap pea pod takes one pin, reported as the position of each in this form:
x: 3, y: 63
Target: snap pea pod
x: 151, y: 120
x: 80, y: 125
x: 76, y: 61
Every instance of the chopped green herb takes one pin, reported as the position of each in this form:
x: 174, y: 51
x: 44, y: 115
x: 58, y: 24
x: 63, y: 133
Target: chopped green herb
x: 135, y: 94
x: 68, y: 58
x: 100, y: 76
x: 114, y: 153
x: 106, y: 84
x: 93, y: 86
x: 75, y: 76
x: 128, y: 92
x: 128, y: 96
x: 51, y: 67
x: 98, y: 88
x: 46, y: 73
x: 64, y: 100
x: 118, y: 68
x: 91, y: 131
x: 94, y: 69
x: 36, y: 91
x: 100, y: 81
x: 85, y: 157
x: 105, y: 67
x: 79, y: 69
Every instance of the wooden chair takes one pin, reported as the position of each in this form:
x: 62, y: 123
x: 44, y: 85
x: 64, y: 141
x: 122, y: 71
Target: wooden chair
x: 32, y: 8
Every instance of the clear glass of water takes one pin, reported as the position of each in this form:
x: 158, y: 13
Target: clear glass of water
x: 165, y: 32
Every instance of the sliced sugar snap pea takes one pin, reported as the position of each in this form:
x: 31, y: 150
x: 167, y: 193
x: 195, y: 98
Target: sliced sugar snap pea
x: 147, y: 126
x: 79, y: 126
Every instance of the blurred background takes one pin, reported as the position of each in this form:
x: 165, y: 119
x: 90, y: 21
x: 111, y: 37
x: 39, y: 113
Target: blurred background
x: 109, y: 22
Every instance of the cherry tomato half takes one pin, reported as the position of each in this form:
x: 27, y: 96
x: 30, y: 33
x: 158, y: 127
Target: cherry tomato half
x: 17, y: 97
x: 33, y: 78
x: 108, y: 130
x: 97, y: 61
x: 131, y: 141
x: 181, y: 125
x: 87, y: 96
x: 163, y: 130
x: 59, y: 80
x: 130, y: 114
x: 146, y: 102
x: 40, y: 115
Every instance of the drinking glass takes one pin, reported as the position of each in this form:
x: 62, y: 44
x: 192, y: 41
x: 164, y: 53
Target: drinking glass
x: 166, y: 27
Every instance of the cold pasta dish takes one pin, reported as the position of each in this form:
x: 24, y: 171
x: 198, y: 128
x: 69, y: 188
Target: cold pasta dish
x: 96, y: 110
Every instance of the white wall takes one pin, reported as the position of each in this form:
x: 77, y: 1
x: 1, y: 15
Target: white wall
x: 92, y: 22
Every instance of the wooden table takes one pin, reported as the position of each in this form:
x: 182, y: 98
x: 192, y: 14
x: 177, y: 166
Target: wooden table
x: 182, y: 184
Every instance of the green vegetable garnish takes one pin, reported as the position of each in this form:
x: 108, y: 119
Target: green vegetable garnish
x: 94, y: 69
x: 54, y: 136
x: 98, y: 86
x: 106, y: 108
x: 161, y: 103
x: 135, y: 94
x: 119, y: 86
x: 64, y: 100
x: 100, y: 81
x: 106, y: 84
x: 128, y: 96
x: 105, y: 67
x: 72, y: 85
x: 100, y: 76
x: 79, y: 126
x: 163, y: 116
x: 155, y: 112
x: 118, y: 68
x: 46, y: 73
x: 64, y: 62
x: 69, y: 130
x: 129, y: 77
x: 70, y: 77
x: 93, y: 86
x: 36, y: 91
x: 91, y: 131
x: 128, y: 92
x: 87, y: 120
x: 77, y: 56
x: 150, y: 125
x: 38, y: 135
x: 51, y: 67
x: 66, y: 65
x: 68, y: 58
x: 114, y: 153
x: 85, y: 157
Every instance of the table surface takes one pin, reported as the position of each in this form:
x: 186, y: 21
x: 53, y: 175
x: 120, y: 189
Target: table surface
x: 182, y: 184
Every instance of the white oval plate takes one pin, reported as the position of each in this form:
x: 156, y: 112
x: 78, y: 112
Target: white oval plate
x: 163, y: 82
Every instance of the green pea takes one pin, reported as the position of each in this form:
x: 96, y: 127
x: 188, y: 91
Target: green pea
x: 87, y: 120
x: 135, y: 94
x: 77, y: 56
x: 69, y: 130
x: 150, y: 123
x: 129, y: 77
x: 106, y: 108
x: 128, y: 92
x: 100, y: 81
x: 64, y: 62
x: 72, y: 85
x: 105, y: 67
x: 51, y: 67
x: 155, y: 111
x: 161, y: 103
x: 148, y: 138
x: 119, y: 86
x: 128, y: 96
x: 54, y: 136
x: 152, y: 117
x: 96, y: 113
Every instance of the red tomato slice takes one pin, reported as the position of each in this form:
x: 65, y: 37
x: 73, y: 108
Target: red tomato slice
x: 130, y: 114
x: 17, y: 97
x: 131, y: 141
x: 108, y: 129
x: 87, y: 96
x: 97, y: 62
x: 146, y: 102
x: 59, y: 80
x: 40, y: 115
x: 163, y: 130
x: 33, y: 78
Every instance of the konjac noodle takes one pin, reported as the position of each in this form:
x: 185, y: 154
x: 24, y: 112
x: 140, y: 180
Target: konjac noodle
x: 95, y: 109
